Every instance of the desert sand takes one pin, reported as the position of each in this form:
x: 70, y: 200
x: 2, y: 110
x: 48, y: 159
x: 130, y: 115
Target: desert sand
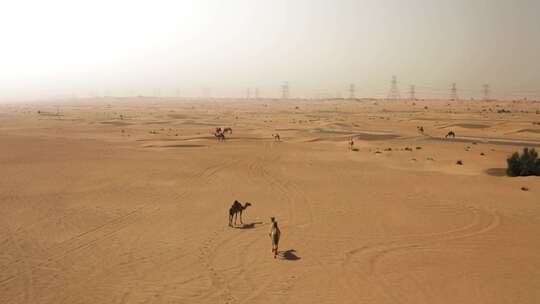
x: 125, y: 200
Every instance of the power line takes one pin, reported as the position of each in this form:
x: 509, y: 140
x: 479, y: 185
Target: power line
x: 412, y: 92
x: 453, y: 92
x: 352, y: 89
x: 486, y: 91
x: 285, y: 90
x: 394, y: 94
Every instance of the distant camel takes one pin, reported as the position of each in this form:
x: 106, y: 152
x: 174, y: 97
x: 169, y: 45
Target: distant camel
x: 450, y: 134
x: 236, y: 209
x: 276, y: 137
x: 220, y: 136
x: 274, y: 234
x: 420, y: 129
x: 351, y: 143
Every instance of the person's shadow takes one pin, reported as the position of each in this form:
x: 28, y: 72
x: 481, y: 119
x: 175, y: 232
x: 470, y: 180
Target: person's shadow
x: 289, y: 255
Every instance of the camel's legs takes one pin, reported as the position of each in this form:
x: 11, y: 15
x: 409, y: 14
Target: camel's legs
x: 241, y: 222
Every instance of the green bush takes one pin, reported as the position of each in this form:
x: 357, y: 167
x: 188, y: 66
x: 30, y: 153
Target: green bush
x: 525, y: 164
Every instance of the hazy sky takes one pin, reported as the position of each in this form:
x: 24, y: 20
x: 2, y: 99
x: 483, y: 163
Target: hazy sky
x: 64, y: 47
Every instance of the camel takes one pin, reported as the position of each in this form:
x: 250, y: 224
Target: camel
x: 236, y: 209
x: 274, y: 234
x: 224, y: 130
x: 420, y: 129
x: 450, y: 134
x: 220, y: 136
x: 276, y: 137
x: 220, y: 132
x: 351, y: 144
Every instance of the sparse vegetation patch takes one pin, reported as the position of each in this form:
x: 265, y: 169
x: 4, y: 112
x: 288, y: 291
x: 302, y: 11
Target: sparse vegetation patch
x: 524, y: 164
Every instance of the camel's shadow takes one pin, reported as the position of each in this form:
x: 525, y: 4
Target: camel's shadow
x: 289, y: 255
x: 248, y: 226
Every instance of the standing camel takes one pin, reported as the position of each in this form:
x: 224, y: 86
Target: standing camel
x: 274, y: 234
x: 276, y: 137
x: 236, y: 209
x: 450, y: 134
x: 220, y: 136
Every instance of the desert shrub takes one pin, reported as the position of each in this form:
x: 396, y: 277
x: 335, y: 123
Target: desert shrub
x: 526, y: 164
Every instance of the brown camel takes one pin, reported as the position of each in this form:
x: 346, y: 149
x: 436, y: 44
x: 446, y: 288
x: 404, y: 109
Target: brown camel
x: 450, y: 134
x: 236, y: 209
x: 220, y: 136
x: 276, y: 137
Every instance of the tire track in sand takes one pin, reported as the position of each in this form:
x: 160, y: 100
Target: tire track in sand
x: 287, y: 191
x: 207, y: 252
x: 224, y: 283
x: 29, y: 295
x: 367, y: 258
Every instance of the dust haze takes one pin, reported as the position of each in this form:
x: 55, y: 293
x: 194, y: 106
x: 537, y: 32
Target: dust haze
x: 269, y: 152
x: 214, y: 48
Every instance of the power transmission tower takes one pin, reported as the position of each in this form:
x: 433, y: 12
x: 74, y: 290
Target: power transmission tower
x: 453, y: 93
x: 486, y: 91
x: 352, y: 91
x: 285, y: 90
x: 412, y: 93
x: 394, y: 94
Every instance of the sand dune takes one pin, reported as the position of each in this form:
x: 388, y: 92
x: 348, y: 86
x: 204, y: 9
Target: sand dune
x: 91, y: 214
